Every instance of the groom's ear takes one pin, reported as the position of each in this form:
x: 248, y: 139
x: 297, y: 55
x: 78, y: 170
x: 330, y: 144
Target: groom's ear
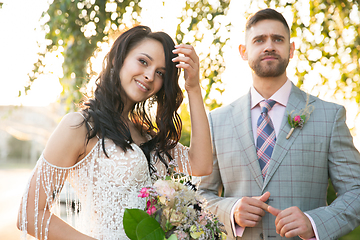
x: 243, y: 53
x: 292, y: 49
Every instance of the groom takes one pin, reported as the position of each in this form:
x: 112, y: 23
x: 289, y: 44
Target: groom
x: 274, y: 184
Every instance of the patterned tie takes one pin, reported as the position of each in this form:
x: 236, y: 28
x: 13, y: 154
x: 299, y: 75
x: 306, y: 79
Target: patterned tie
x: 266, y: 139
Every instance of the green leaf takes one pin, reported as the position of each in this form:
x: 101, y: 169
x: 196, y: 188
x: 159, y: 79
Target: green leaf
x: 303, y: 117
x: 168, y: 226
x: 173, y: 237
x: 149, y: 229
x: 132, y: 218
x: 290, y: 120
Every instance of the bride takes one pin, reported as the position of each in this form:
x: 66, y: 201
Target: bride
x: 110, y: 149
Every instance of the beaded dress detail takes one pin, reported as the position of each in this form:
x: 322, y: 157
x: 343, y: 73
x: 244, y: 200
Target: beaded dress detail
x: 103, y: 188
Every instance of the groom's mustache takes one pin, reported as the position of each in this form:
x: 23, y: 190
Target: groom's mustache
x: 266, y: 55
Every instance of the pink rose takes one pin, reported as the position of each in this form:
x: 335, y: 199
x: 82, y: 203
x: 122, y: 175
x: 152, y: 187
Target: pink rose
x: 297, y: 118
x: 163, y: 188
x: 144, y: 193
x: 152, y: 202
x: 151, y: 210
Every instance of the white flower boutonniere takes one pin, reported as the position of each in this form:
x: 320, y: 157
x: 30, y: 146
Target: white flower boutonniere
x: 300, y: 118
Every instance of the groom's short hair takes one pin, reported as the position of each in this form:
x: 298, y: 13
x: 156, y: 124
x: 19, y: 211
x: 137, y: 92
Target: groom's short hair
x: 266, y: 14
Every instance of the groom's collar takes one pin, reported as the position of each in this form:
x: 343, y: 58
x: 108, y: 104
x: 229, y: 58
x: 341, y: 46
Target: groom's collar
x: 281, y: 96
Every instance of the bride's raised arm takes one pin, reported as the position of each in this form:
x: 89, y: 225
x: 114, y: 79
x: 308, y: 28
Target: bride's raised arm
x: 200, y: 152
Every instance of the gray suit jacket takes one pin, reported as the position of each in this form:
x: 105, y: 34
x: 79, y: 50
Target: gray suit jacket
x: 298, y: 172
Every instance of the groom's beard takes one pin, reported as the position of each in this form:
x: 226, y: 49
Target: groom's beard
x: 272, y: 68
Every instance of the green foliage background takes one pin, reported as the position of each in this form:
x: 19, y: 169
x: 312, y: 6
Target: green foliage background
x: 322, y: 27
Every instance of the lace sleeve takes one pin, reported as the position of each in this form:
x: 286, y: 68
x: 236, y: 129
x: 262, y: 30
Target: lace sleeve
x: 181, y: 154
x: 45, y: 185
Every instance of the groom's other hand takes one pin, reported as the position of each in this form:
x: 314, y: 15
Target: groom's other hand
x: 250, y: 210
x: 292, y: 222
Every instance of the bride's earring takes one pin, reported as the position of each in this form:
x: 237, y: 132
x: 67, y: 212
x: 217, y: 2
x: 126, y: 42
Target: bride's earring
x: 112, y: 74
x: 151, y: 101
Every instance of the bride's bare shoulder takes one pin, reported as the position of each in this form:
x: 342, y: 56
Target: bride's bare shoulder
x: 67, y: 142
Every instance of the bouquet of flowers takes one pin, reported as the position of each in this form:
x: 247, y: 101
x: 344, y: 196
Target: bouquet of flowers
x: 173, y: 211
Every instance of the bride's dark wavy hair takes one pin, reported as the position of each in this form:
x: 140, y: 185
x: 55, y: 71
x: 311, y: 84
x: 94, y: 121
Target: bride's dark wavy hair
x: 106, y: 108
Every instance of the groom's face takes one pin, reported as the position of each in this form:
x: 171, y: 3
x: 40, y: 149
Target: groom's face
x: 268, y: 48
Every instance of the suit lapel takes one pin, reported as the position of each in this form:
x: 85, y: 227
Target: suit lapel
x: 297, y: 101
x: 241, y: 121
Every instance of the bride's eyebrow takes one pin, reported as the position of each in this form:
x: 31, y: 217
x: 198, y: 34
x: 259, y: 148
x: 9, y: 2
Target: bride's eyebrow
x: 151, y: 59
x: 148, y: 56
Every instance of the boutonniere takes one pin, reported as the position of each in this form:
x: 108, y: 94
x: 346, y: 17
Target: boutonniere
x: 297, y: 120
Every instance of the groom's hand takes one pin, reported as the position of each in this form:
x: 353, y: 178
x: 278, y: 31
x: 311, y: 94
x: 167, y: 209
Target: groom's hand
x: 292, y: 222
x: 250, y: 210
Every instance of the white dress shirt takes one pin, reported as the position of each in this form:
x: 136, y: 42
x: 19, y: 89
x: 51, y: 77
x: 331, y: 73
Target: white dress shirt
x: 276, y: 113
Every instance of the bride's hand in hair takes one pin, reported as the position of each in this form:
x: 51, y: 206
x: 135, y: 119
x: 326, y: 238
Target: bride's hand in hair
x: 200, y: 153
x: 189, y: 61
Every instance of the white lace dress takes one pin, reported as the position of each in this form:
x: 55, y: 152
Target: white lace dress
x: 103, y: 186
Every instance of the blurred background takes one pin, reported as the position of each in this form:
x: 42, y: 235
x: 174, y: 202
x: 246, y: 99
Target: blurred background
x: 52, y: 51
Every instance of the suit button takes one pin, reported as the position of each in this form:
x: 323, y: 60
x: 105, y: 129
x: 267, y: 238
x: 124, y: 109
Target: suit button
x: 261, y: 235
